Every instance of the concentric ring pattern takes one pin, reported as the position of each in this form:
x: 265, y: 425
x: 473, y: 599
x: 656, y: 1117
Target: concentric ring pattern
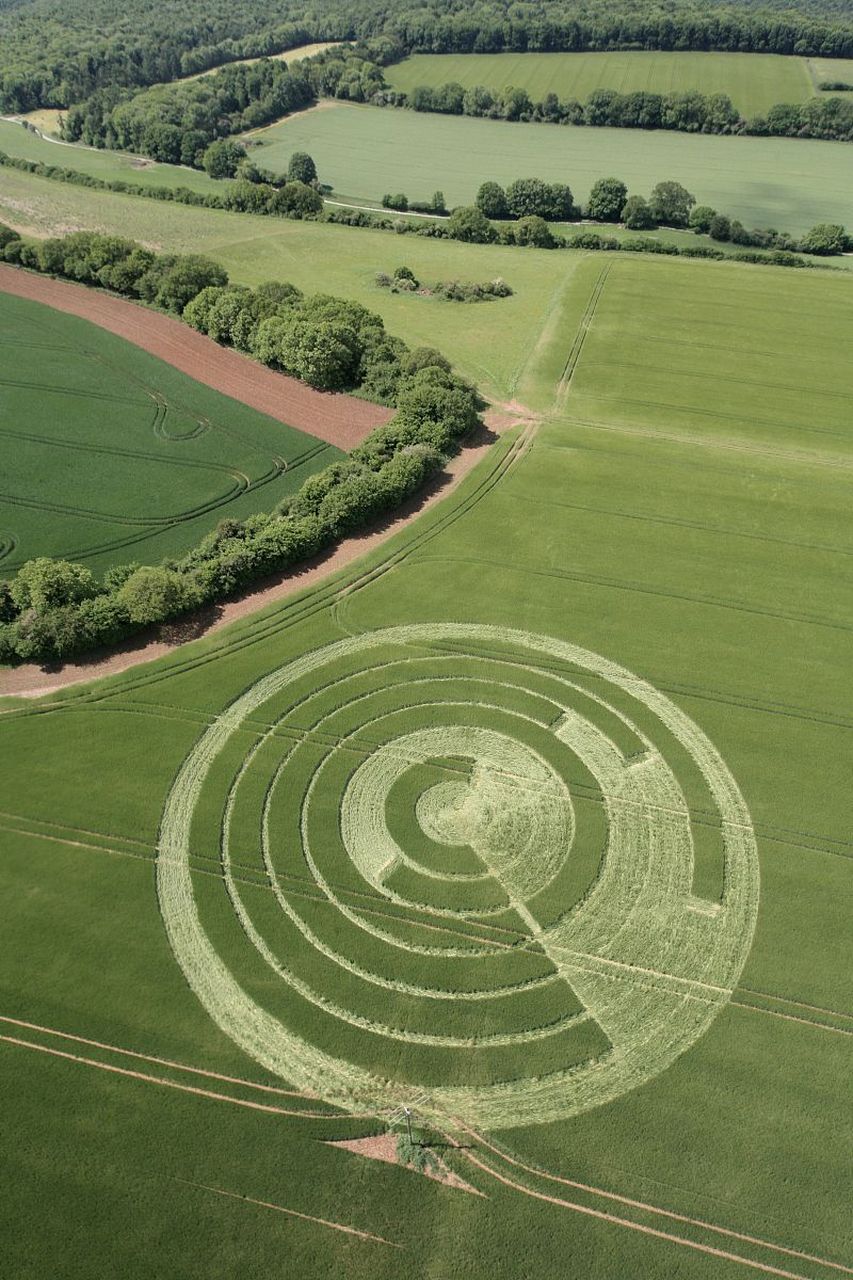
x: 467, y: 868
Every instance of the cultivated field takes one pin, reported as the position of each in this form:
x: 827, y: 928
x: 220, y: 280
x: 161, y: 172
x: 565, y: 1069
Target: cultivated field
x: 788, y: 183
x: 534, y: 822
x: 111, y: 455
x: 753, y: 81
x: 343, y: 261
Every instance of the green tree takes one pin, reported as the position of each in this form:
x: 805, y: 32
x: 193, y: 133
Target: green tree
x: 533, y: 231
x: 477, y: 101
x: 491, y: 200
x: 516, y: 104
x: 296, y: 199
x: 153, y: 593
x: 470, y: 224
x: 671, y: 203
x: 701, y: 218
x: 825, y: 238
x: 528, y: 197
x: 637, y: 214
x: 607, y: 200
x: 719, y: 228
x: 221, y: 158
x: 301, y: 168
x: 184, y: 278
x: 44, y: 584
x: 323, y: 354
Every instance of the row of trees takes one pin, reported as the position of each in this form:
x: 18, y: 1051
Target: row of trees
x: 670, y: 204
x: 55, y: 57
x: 693, y: 112
x: 166, y: 280
x: 329, y: 343
x: 254, y: 191
x: 608, y: 202
x: 180, y: 122
x: 404, y: 280
x: 54, y: 608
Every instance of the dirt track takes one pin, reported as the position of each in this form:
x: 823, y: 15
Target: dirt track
x: 32, y: 681
x: 337, y: 419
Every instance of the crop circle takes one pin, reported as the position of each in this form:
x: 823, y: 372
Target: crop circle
x: 467, y: 868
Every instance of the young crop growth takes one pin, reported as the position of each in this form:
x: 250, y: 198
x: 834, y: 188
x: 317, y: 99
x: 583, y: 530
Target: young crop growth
x: 577, y: 982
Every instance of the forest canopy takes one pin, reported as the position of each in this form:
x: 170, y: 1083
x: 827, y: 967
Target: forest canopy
x: 57, y: 54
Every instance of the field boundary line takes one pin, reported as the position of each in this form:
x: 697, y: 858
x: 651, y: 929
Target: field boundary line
x: 647, y: 1207
x: 598, y: 580
x: 295, y: 1213
x: 582, y: 332
x: 727, y: 379
x: 804, y: 457
x: 175, y: 1084
x: 539, y: 501
x: 817, y: 1008
x: 717, y: 414
x: 337, y: 419
x: 163, y: 1062
x: 790, y: 1017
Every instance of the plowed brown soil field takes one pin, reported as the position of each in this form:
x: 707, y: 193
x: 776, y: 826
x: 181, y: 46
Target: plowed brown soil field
x: 338, y: 419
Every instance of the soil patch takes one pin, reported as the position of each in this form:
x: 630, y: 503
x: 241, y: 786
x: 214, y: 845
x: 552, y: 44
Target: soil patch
x: 383, y: 1147
x: 337, y: 419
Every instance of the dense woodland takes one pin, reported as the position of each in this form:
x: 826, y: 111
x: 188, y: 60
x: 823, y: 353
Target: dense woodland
x: 57, y: 54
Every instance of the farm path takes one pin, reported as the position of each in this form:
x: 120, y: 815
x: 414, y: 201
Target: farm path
x: 338, y: 419
x: 32, y: 681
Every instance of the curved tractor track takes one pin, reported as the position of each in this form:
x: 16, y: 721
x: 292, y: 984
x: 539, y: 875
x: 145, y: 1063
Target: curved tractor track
x: 337, y: 419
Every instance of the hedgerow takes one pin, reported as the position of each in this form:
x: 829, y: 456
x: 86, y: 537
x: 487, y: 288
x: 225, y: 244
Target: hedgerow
x: 55, y: 608
x: 472, y: 224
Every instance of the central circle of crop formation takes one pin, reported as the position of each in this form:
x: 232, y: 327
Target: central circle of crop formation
x: 468, y: 869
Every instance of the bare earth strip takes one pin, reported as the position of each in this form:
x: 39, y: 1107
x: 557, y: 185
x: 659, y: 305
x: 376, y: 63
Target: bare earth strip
x: 644, y: 1206
x: 32, y: 681
x: 294, y: 1213
x: 636, y: 1226
x: 161, y: 1062
x: 175, y: 1084
x: 337, y: 419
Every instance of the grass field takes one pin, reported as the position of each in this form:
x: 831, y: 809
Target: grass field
x: 110, y: 166
x: 827, y: 70
x: 327, y: 851
x: 493, y: 349
x: 782, y: 182
x: 754, y: 82
x: 364, y: 152
x: 110, y: 455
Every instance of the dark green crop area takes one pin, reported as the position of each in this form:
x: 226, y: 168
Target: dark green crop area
x: 677, y: 503
x: 111, y: 455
